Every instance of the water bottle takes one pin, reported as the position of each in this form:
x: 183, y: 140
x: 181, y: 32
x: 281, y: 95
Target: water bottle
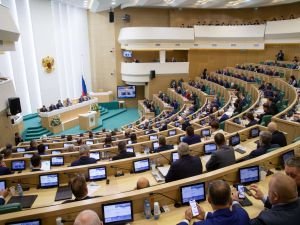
x: 156, y: 211
x: 19, y: 190
x: 147, y: 209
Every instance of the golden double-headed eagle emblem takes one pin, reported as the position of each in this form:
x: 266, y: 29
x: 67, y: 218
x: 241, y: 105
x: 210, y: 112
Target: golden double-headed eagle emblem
x: 48, y: 64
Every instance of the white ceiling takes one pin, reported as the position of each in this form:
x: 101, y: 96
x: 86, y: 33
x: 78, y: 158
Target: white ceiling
x: 102, y: 5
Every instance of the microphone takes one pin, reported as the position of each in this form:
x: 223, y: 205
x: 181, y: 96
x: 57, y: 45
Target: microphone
x: 120, y: 173
x: 176, y: 203
x: 164, y: 157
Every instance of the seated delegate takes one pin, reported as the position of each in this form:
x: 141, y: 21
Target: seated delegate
x: 84, y: 157
x: 163, y: 145
x: 123, y: 154
x: 190, y: 137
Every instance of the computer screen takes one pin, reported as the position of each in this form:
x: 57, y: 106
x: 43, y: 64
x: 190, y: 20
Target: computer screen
x: 234, y: 140
x: 172, y: 132
x: 155, y: 145
x: 57, y: 161
x: 18, y: 165
x: 126, y: 91
x: 202, y: 122
x: 26, y: 222
x: 95, y: 155
x: 147, y: 132
x: 98, y: 173
x: 287, y: 155
x: 129, y: 149
x: 129, y: 142
x: 194, y: 116
x: 192, y: 192
x: 67, y: 145
x: 49, y: 180
x: 20, y: 149
x: 174, y: 156
x: 27, y: 155
x: 127, y: 54
x: 117, y: 213
x: 55, y: 152
x: 249, y: 174
x: 89, y: 142
x: 153, y: 137
x: 181, y: 138
x: 209, y: 148
x: 205, y: 132
x: 141, y: 165
x: 46, y: 147
x: 157, y: 125
x: 45, y: 165
x: 254, y: 132
x: 177, y: 124
x: 2, y: 185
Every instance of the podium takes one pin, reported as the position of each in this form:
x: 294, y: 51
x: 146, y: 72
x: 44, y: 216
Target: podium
x: 88, y: 120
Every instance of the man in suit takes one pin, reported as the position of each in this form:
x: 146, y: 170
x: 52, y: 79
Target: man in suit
x: 36, y: 162
x: 87, y: 217
x: 280, y: 56
x: 283, y: 197
x: 277, y: 136
x: 185, y: 166
x: 250, y: 118
x: 190, y: 137
x: 123, y: 154
x: 84, y: 154
x: 225, y: 211
x: 224, y: 156
x: 163, y: 144
x: 3, y: 194
x: 185, y: 124
x: 292, y: 169
x: 3, y: 169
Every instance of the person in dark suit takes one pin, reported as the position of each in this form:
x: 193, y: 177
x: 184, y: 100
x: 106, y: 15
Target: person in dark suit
x: 185, y: 166
x: 283, y: 199
x: 224, y: 156
x: 277, y: 136
x: 185, y: 124
x: 163, y: 144
x: 3, y: 194
x: 265, y: 138
x: 44, y: 109
x: 267, y: 111
x: 79, y: 189
x: 163, y: 127
x: 250, y: 118
x: 84, y: 154
x: 18, y: 138
x: 41, y: 149
x: 225, y: 211
x: 280, y: 56
x: 32, y: 145
x: 123, y: 154
x: 292, y: 169
x: 36, y: 162
x: 190, y: 137
x: 59, y: 104
x: 3, y: 169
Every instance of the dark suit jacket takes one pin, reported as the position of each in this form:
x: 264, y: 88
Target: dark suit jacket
x: 252, y: 123
x: 284, y: 214
x: 236, y: 216
x: 84, y: 160
x: 2, y: 201
x: 186, y: 166
x: 4, y: 170
x: 164, y: 148
x: 123, y: 155
x: 223, y: 157
x: 259, y: 151
x: 192, y: 139
x: 278, y: 138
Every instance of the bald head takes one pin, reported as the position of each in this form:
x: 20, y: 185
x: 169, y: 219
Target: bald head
x: 272, y: 127
x: 87, y: 217
x: 282, y: 189
x: 142, y: 183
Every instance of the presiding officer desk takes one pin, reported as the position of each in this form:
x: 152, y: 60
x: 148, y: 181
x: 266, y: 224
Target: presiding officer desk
x: 68, y: 211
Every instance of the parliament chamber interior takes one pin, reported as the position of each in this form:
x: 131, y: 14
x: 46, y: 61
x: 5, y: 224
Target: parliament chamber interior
x: 149, y: 112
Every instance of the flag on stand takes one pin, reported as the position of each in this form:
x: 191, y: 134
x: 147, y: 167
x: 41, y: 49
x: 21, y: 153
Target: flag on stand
x: 84, y: 91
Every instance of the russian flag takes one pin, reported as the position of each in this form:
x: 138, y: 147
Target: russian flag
x: 84, y: 91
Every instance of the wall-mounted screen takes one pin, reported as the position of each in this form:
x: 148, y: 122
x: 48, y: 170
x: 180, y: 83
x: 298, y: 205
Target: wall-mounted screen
x: 126, y: 91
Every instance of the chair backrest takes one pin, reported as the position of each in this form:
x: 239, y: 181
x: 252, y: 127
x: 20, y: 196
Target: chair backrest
x: 13, y: 207
x: 266, y: 120
x: 296, y: 139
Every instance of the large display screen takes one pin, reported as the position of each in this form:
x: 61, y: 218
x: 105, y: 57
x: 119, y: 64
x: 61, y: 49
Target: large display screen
x: 126, y: 91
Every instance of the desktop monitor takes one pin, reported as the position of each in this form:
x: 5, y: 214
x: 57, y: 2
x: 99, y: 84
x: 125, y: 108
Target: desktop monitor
x: 2, y: 185
x: 209, y: 148
x: 127, y: 54
x: 249, y: 175
x: 141, y: 126
x: 155, y: 145
x: 205, y: 132
x: 129, y: 142
x: 174, y: 156
x: 254, y: 132
x: 46, y: 147
x: 177, y: 124
x: 27, y: 155
x: 141, y: 165
x: 287, y: 156
x: 26, y: 222
x: 57, y: 161
x: 18, y: 165
x: 98, y: 173
x: 67, y: 145
x: 129, y: 149
x: 194, y: 116
x: 117, y: 213
x: 95, y: 155
x: 55, y: 152
x: 234, y: 140
x: 192, y: 192
x: 171, y: 133
x: 203, y: 122
x: 181, y: 138
x: 153, y: 137
x: 49, y: 180
x: 20, y: 149
x: 89, y: 142
x: 157, y: 125
x: 147, y: 132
